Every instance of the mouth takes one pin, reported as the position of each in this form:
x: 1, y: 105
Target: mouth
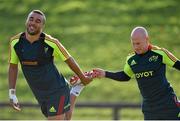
x: 32, y: 28
x: 138, y: 51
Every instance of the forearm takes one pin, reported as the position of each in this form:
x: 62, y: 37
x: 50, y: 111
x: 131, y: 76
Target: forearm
x: 12, y: 76
x: 118, y: 76
x: 75, y: 68
x: 177, y: 65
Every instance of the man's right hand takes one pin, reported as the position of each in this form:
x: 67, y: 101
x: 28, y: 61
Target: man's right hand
x: 86, y: 80
x: 88, y: 77
x: 13, y: 99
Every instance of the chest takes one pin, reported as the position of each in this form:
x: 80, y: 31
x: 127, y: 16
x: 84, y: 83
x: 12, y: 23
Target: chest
x: 30, y: 50
x: 33, y: 51
x: 147, y: 65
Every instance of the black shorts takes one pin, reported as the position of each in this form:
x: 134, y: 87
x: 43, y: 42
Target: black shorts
x: 170, y: 116
x: 57, y: 104
x: 168, y: 109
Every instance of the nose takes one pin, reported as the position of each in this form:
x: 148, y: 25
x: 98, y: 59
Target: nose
x: 32, y: 22
x: 135, y: 46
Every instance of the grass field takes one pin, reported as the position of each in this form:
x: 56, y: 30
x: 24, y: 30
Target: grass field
x: 97, y: 34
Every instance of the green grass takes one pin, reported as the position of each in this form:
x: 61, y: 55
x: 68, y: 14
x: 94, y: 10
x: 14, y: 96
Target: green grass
x: 97, y: 34
x: 25, y: 114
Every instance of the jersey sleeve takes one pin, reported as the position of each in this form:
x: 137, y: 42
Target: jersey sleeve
x: 168, y: 58
x: 59, y: 50
x: 119, y: 76
x: 13, y: 58
x: 177, y: 65
x: 127, y: 69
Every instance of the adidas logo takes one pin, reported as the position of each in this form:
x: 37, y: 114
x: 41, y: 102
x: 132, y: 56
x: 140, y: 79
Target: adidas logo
x: 133, y: 62
x: 52, y: 109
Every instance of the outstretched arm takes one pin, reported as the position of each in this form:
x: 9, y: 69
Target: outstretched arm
x: 60, y: 51
x: 118, y: 76
x: 75, y: 67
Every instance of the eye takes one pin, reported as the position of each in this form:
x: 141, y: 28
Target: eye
x: 135, y: 43
x: 31, y: 19
x: 38, y: 21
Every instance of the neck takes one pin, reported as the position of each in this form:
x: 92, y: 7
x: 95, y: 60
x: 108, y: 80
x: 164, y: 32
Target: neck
x: 147, y: 49
x: 32, y: 38
x: 150, y: 46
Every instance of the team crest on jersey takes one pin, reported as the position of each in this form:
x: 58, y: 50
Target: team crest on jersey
x: 153, y: 58
x: 45, y: 49
x: 133, y: 62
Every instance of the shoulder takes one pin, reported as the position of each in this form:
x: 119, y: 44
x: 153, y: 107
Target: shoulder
x: 51, y: 39
x: 53, y: 42
x: 130, y: 55
x: 159, y: 50
x: 164, y: 52
x: 15, y: 38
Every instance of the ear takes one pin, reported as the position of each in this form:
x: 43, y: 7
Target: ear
x: 43, y: 27
x: 147, y: 38
x: 26, y: 22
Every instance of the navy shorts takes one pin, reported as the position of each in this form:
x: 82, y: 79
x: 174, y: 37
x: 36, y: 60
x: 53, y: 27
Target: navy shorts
x: 170, y: 116
x: 57, y: 104
x: 170, y: 113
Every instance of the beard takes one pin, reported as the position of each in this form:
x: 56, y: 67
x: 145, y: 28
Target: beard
x: 35, y: 32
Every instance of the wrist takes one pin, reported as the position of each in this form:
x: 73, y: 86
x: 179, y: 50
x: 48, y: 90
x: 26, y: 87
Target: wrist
x: 12, y: 92
x: 82, y: 78
x: 106, y: 73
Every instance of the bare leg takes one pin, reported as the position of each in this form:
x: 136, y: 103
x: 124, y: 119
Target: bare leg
x: 74, y: 93
x: 68, y: 115
x: 58, y: 117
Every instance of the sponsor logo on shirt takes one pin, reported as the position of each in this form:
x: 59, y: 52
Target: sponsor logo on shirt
x: 144, y: 74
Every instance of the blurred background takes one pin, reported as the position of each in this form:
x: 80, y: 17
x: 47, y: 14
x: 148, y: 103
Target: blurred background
x: 97, y: 34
